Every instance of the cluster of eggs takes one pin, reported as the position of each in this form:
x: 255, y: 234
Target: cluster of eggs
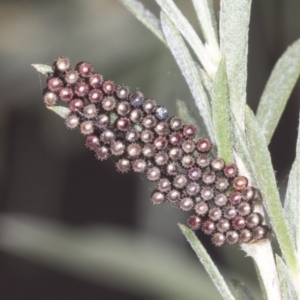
x: 142, y: 136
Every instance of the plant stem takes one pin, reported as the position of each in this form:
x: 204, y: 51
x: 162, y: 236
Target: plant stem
x: 263, y: 256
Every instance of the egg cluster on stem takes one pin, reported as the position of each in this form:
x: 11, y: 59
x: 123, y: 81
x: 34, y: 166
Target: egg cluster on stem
x: 143, y: 138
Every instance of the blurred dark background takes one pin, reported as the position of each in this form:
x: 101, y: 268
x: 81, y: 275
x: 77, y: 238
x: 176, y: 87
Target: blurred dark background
x: 71, y: 227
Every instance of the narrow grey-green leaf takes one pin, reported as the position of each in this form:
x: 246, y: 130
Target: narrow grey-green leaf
x: 145, y: 16
x: 292, y: 198
x: 234, y: 27
x: 62, y: 111
x: 44, y: 69
x: 240, y: 291
x: 206, y: 81
x: 287, y: 287
x: 185, y: 114
x: 291, y: 203
x: 278, y: 90
x: 187, y: 31
x: 267, y: 184
x: 207, y: 262
x: 220, y: 112
x: 241, y: 146
x: 207, y: 19
x: 189, y: 71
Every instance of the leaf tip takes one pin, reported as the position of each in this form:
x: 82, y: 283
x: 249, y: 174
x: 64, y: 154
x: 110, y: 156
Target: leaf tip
x: 63, y: 112
x: 44, y: 69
